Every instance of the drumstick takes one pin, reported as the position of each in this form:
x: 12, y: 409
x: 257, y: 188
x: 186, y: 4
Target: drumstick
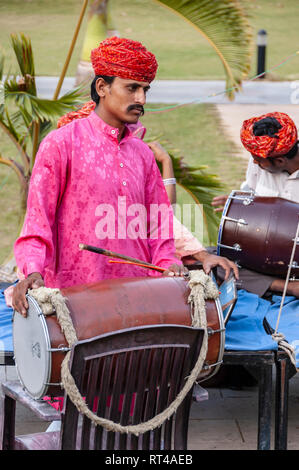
x: 130, y: 260
x: 156, y: 268
x: 112, y: 254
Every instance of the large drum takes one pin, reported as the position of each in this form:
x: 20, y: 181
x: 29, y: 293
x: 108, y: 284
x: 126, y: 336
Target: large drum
x: 258, y: 233
x: 110, y: 305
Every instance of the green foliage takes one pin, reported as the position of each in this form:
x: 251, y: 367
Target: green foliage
x: 201, y: 185
x: 224, y: 24
x: 24, y: 117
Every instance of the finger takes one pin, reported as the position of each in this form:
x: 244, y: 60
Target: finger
x: 236, y: 270
x: 206, y: 268
x: 19, y: 302
x: 36, y: 284
x: 219, y: 209
x: 21, y: 308
x: 226, y: 267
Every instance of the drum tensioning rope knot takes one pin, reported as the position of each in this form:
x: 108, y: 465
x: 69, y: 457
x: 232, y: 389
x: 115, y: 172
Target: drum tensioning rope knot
x: 51, y: 301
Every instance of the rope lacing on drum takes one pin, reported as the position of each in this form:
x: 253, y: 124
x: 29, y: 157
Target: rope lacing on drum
x: 202, y: 288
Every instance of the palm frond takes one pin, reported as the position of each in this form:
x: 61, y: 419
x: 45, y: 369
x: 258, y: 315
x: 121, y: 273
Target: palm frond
x: 39, y: 108
x: 23, y: 51
x: 201, y: 185
x: 1, y: 66
x: 225, y: 25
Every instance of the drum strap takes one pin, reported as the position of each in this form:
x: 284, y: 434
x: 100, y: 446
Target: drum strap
x: 202, y: 288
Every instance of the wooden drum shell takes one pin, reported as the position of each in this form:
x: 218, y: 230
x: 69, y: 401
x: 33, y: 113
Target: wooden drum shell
x: 113, y: 305
x: 265, y: 233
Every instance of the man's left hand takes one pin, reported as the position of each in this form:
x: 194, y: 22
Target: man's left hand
x: 210, y: 261
x: 176, y: 270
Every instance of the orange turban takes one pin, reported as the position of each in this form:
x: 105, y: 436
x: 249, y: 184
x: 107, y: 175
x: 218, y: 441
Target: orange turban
x: 270, y: 135
x: 124, y: 58
x: 79, y: 114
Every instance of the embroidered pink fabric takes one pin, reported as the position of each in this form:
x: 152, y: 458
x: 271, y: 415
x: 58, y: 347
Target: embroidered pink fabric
x: 77, y: 168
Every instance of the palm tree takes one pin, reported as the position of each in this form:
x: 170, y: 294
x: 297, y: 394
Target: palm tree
x: 223, y: 23
x: 24, y: 117
x: 99, y: 27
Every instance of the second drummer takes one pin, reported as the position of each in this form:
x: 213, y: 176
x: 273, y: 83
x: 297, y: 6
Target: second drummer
x: 273, y: 171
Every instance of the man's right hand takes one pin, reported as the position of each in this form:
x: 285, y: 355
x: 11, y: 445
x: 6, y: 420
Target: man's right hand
x: 219, y: 201
x: 19, y: 301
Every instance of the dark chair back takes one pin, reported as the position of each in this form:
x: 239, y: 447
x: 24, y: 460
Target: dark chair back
x: 128, y: 377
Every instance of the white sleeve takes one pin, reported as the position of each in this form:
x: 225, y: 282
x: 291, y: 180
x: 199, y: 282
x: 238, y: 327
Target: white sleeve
x: 251, y: 176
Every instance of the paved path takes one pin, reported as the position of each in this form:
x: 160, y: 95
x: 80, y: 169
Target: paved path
x: 183, y: 91
x: 256, y: 98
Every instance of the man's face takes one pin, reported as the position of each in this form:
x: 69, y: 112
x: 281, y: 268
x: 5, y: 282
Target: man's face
x: 272, y: 166
x: 124, y: 99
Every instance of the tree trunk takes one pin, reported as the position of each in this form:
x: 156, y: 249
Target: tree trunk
x: 99, y: 26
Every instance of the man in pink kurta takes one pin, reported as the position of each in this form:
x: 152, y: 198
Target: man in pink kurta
x: 84, y: 187
x: 93, y: 182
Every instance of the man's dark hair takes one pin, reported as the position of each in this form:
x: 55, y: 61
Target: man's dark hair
x: 269, y: 126
x: 291, y: 153
x: 93, y: 93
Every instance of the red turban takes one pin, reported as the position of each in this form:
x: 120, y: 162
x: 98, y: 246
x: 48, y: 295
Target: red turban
x: 276, y: 136
x: 79, y: 114
x: 124, y: 58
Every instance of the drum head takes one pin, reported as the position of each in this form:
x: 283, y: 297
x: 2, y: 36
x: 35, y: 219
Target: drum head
x: 31, y: 349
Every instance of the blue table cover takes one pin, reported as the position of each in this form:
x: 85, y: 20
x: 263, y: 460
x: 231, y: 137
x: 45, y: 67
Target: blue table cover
x: 6, y: 343
x: 245, y: 330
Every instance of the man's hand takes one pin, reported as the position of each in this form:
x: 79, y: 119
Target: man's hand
x: 19, y: 301
x: 210, y: 261
x: 176, y: 270
x: 292, y: 288
x: 219, y: 201
x: 159, y: 152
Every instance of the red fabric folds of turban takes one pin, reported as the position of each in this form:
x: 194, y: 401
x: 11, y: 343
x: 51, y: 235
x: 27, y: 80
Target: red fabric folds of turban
x: 269, y: 146
x: 83, y: 112
x: 124, y: 58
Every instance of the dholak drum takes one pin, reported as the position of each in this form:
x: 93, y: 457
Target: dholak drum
x: 110, y: 305
x: 258, y: 233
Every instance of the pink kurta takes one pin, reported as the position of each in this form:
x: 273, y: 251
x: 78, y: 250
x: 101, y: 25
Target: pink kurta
x: 86, y: 187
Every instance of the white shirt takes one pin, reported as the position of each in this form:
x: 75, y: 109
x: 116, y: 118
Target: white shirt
x: 272, y: 184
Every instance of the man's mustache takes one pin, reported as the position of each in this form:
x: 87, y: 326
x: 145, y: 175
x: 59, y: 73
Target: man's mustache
x: 139, y: 107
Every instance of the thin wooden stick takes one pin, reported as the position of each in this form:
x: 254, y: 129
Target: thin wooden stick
x: 112, y: 254
x: 155, y: 268
x: 85, y: 3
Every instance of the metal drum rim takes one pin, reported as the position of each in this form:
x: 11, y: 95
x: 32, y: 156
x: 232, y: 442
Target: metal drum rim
x: 224, y: 212
x: 41, y: 317
x: 221, y: 345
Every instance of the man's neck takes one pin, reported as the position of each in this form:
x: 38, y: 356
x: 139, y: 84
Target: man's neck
x: 111, y: 121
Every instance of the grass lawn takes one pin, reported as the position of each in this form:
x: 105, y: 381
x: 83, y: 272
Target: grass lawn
x: 195, y: 131
x: 181, y: 51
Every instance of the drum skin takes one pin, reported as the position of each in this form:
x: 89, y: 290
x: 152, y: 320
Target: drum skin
x: 267, y: 239
x: 117, y: 304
